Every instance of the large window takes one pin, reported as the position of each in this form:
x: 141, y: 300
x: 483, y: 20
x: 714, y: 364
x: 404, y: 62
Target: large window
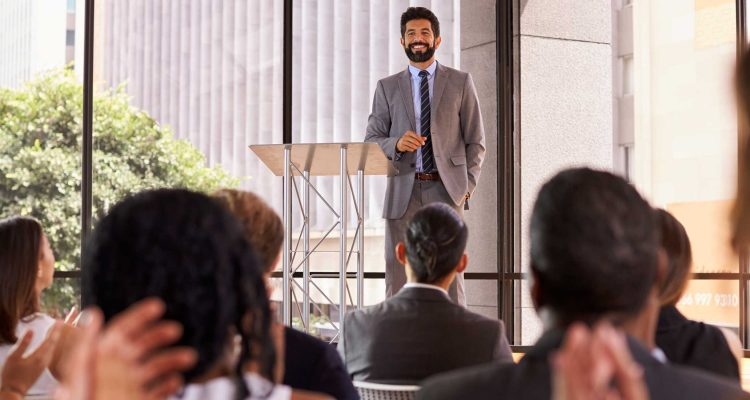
x: 40, y: 131
x: 675, y: 137
x: 685, y: 138
x: 179, y: 90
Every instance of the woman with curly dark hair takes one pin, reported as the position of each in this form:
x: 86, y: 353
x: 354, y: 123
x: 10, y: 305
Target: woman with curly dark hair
x: 186, y: 249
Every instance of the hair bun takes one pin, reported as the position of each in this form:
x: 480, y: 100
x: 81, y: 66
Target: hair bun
x: 427, y: 251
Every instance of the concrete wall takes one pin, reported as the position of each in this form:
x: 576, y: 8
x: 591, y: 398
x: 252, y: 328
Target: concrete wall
x: 563, y: 98
x: 478, y: 57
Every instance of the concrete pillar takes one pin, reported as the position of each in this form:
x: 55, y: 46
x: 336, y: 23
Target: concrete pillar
x: 563, y: 99
x: 563, y: 110
x: 478, y: 57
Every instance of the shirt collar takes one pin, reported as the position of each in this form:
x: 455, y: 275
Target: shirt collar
x: 415, y: 71
x: 659, y: 355
x: 425, y: 286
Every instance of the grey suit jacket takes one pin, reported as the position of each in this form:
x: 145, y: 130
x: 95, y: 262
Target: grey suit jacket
x: 530, y: 379
x: 456, y: 129
x: 416, y: 334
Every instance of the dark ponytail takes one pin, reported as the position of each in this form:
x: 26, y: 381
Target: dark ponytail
x: 435, y: 241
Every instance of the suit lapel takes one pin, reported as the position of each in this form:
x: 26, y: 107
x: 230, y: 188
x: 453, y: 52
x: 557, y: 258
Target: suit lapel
x: 404, y: 85
x: 441, y: 79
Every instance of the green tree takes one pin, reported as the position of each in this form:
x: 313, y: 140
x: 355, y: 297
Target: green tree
x: 40, y: 161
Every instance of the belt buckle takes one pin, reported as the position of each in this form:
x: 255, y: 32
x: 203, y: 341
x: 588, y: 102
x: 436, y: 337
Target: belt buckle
x: 425, y: 176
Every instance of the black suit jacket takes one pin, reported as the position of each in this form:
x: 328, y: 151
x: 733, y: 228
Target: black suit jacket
x: 312, y: 364
x: 695, y: 344
x: 415, y: 334
x: 530, y: 378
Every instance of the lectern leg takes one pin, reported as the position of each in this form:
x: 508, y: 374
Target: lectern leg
x: 286, y: 254
x: 306, y: 251
x: 361, y: 238
x: 343, y: 213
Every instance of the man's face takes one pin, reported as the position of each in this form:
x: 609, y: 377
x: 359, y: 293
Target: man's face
x: 419, y: 41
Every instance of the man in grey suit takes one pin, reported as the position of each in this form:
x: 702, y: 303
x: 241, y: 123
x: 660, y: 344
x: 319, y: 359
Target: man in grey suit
x: 420, y: 332
x: 427, y: 121
x: 595, y: 256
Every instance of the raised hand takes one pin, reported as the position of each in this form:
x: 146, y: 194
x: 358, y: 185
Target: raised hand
x: 72, y: 317
x: 19, y: 372
x: 127, y: 360
x: 589, y: 361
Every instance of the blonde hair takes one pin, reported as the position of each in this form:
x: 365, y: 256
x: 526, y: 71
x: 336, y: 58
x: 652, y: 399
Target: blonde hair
x: 740, y: 216
x: 262, y: 226
x: 676, y: 244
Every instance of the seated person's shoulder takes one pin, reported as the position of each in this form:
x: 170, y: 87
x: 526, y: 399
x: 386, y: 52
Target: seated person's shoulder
x: 368, y: 312
x: 474, y: 382
x: 675, y: 381
x: 299, y: 339
x: 474, y: 319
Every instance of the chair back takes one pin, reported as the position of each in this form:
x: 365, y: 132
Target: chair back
x: 378, y: 391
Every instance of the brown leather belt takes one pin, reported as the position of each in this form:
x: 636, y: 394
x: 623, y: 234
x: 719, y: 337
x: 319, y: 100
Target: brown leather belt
x: 427, y: 177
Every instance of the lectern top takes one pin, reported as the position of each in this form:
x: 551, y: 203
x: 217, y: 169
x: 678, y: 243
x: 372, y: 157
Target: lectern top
x: 324, y: 159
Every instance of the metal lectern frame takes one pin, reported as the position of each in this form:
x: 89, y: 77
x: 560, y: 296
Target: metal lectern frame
x: 298, y: 185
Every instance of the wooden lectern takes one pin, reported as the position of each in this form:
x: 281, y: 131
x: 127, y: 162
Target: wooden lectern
x: 299, y: 162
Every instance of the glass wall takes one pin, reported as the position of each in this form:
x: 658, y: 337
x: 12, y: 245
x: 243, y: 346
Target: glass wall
x: 183, y: 89
x: 40, y: 132
x: 685, y: 137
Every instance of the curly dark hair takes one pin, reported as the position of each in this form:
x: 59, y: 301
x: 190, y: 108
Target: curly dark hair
x: 189, y: 251
x: 435, y: 240
x: 413, y: 13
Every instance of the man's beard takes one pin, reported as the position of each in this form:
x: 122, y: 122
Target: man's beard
x: 419, y: 57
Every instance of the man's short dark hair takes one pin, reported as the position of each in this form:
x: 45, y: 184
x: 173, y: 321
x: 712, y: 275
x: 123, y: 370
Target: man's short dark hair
x: 413, y: 13
x: 435, y: 240
x: 594, y: 246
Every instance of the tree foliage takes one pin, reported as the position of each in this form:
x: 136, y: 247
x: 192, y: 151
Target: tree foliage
x: 40, y: 159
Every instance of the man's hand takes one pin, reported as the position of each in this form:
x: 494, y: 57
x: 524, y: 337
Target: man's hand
x: 589, y: 361
x: 410, y: 142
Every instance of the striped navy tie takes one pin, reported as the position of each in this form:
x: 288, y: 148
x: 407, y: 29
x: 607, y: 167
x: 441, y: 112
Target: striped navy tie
x: 428, y: 161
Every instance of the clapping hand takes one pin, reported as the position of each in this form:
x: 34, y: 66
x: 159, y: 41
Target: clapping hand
x: 19, y: 372
x: 590, y: 361
x: 127, y: 359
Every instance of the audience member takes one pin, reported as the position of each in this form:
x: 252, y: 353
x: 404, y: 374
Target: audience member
x: 308, y: 363
x: 594, y: 258
x: 188, y: 251
x: 26, y: 268
x: 420, y: 332
x: 683, y: 341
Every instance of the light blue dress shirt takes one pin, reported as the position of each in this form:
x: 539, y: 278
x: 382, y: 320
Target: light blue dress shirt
x: 416, y: 81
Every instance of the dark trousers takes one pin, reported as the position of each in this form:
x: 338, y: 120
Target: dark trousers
x: 424, y: 192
